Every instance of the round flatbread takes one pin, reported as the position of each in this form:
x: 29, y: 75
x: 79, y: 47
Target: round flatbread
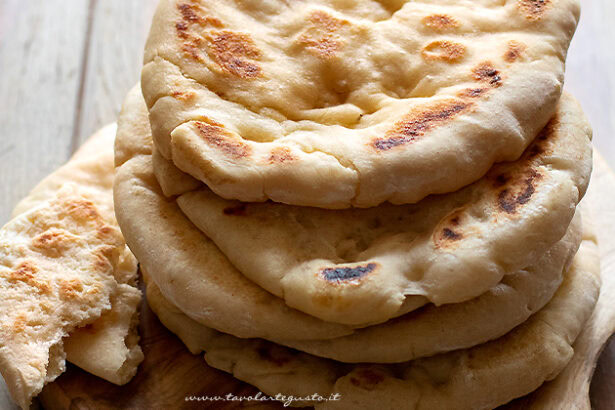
x: 331, y: 103
x: 484, y: 376
x: 365, y: 266
x: 455, y: 326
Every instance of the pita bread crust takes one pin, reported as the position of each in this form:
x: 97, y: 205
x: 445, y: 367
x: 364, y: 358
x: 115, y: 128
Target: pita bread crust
x: 332, y: 104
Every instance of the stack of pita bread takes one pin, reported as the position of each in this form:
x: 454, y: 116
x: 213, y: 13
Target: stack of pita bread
x: 371, y: 199
x: 371, y: 202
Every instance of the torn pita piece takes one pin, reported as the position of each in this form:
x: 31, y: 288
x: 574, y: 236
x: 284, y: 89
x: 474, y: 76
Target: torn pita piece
x: 68, y: 279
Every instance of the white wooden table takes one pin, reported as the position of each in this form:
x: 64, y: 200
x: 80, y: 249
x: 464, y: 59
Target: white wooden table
x: 65, y: 66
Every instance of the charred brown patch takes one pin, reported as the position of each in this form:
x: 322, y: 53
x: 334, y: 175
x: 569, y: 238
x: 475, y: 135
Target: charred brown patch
x: 234, y: 52
x: 280, y: 155
x: 440, y: 22
x: 367, y: 378
x: 348, y: 274
x: 514, y: 50
x: 70, y: 289
x: 450, y: 234
x: 183, y: 95
x: 106, y: 233
x: 419, y: 122
x: 20, y: 323
x: 216, y: 135
x: 320, y: 37
x: 26, y: 272
x: 509, y: 201
x: 82, y: 209
x: 182, y: 29
x: 194, y: 14
x: 449, y: 230
x: 192, y: 48
x: 533, y: 9
x: 488, y: 73
x: 472, y: 92
x: 53, y: 242
x: 443, y: 50
x: 275, y: 354
x: 238, y: 210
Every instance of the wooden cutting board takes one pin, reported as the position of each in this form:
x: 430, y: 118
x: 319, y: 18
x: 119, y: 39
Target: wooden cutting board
x: 170, y: 373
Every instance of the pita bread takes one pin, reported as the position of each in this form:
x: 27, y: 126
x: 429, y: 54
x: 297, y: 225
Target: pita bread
x: 484, y: 376
x: 365, y: 266
x: 329, y: 103
x: 107, y: 347
x: 572, y: 387
x: 56, y: 272
x: 455, y: 326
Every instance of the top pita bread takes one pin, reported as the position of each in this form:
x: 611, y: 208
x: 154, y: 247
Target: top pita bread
x: 331, y: 103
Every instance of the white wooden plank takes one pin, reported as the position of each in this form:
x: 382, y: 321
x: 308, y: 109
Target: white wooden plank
x: 41, y: 48
x: 590, y: 71
x: 41, y: 45
x: 119, y: 31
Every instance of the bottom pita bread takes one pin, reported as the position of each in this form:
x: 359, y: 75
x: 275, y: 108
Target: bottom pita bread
x: 484, y: 376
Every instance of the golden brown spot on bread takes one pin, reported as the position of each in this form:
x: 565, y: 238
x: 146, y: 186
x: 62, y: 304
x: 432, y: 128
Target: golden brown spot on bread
x: 82, y: 210
x: 70, y: 289
x: 106, y: 232
x: 346, y: 274
x: 26, y: 272
x: 234, y: 52
x: 367, y: 378
x: 418, y: 122
x: 472, y: 92
x: 53, y: 242
x: 216, y: 135
x: 189, y: 13
x: 440, y: 22
x: 486, y: 72
x: 194, y: 13
x: 510, y: 198
x: 20, y: 323
x: 443, y: 50
x: 514, y: 50
x: 320, y: 37
x: 183, y: 95
x: 280, y: 155
x: 533, y: 9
